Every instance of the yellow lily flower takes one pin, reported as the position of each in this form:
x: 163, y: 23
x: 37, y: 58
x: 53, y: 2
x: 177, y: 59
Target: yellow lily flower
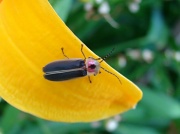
x: 31, y: 36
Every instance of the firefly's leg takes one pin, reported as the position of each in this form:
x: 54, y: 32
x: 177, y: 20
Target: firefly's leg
x: 63, y: 52
x: 89, y: 79
x: 82, y: 51
x: 98, y: 59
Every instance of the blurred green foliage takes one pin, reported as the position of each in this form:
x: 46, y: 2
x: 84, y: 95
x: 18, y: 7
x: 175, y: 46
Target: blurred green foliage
x: 147, y: 43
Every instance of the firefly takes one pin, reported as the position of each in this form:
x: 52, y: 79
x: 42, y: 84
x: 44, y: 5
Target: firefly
x: 67, y: 69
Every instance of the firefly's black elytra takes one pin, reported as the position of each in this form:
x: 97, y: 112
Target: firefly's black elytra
x: 62, y: 70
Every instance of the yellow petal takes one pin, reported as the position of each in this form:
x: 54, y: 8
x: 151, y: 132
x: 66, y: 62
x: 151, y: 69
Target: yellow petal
x: 31, y: 35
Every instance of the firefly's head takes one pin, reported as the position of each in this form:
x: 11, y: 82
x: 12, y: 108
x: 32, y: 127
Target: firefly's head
x: 92, y: 66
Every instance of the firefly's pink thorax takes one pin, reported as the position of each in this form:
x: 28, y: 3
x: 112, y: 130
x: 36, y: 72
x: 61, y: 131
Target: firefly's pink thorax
x: 92, y: 66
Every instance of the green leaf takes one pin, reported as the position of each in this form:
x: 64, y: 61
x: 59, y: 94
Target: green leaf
x: 132, y: 129
x: 158, y: 32
x: 10, y: 121
x: 62, y: 8
x: 159, y: 106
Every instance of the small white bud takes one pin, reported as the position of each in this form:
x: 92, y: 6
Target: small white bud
x: 147, y: 55
x: 177, y: 56
x: 134, y: 54
x: 122, y: 61
x: 88, y: 6
x: 133, y: 7
x: 111, y: 125
x: 104, y: 8
x: 96, y: 124
x: 118, y: 118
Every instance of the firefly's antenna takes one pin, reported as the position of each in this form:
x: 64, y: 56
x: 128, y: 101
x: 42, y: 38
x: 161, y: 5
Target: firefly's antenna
x: 62, y: 49
x: 106, y: 55
x: 112, y: 74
